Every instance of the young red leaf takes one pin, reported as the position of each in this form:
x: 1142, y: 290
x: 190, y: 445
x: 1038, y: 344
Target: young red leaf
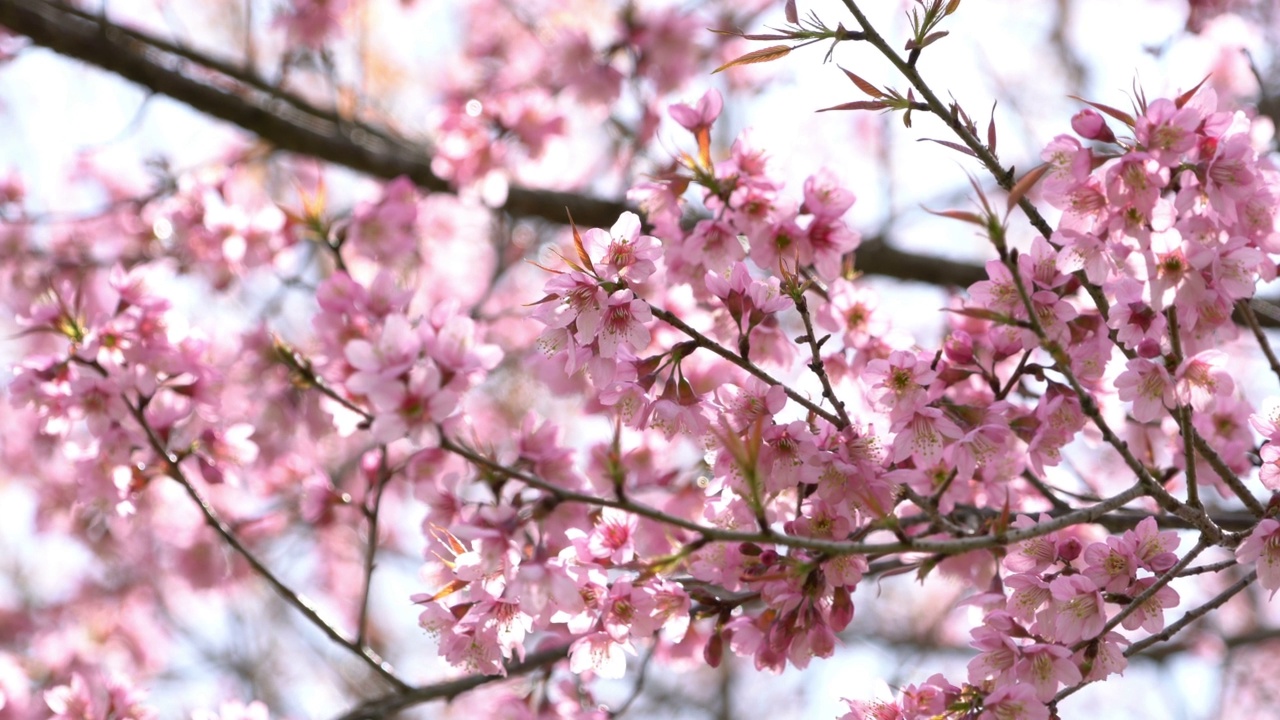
x: 745, y: 36
x: 703, y: 136
x: 928, y: 40
x: 1184, y: 97
x: 859, y: 105
x: 1120, y: 115
x: 983, y: 314
x: 573, y: 265
x: 865, y: 86
x: 982, y: 195
x: 961, y: 215
x: 991, y: 131
x: 578, y: 247
x: 453, y: 587
x: 762, y: 55
x: 954, y: 146
x: 448, y: 539
x: 545, y: 298
x: 1028, y: 181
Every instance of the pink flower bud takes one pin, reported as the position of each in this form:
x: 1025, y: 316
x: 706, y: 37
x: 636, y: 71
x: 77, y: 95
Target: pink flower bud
x: 1090, y: 125
x: 1069, y: 549
x: 1149, y: 348
x: 841, y: 609
x: 713, y: 653
x: 959, y: 348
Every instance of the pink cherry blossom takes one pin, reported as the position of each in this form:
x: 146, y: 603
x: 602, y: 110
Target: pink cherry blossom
x: 622, y: 324
x: 1111, y: 565
x: 1078, y: 609
x: 1153, y: 547
x: 1262, y: 548
x: 1149, y: 386
x: 700, y: 115
x: 601, y: 654
x: 1014, y: 702
x: 1046, y: 668
x: 1202, y: 379
x: 625, y: 253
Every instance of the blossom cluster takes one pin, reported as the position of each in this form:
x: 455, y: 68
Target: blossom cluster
x: 755, y: 444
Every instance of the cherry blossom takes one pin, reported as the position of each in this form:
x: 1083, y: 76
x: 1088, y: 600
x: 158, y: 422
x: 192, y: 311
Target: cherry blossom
x: 267, y: 375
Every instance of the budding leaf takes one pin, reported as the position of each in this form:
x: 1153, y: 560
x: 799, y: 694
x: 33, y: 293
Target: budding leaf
x: 1184, y: 97
x: 928, y: 40
x: 1120, y: 115
x: 991, y: 131
x: 860, y: 105
x: 1023, y: 186
x: 763, y: 55
x: 865, y: 86
x: 448, y: 539
x: 954, y: 146
x: 453, y: 587
x: 713, y: 653
x: 745, y: 36
x: 961, y: 215
x: 984, y: 314
x: 578, y: 247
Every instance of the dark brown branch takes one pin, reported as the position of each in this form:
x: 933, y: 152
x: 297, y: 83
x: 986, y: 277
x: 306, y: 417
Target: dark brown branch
x: 304, y: 606
x: 238, y: 96
x: 216, y: 89
x: 388, y: 705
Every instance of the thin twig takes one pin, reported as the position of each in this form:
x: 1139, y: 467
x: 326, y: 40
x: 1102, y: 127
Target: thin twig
x: 1245, y: 308
x: 1210, y: 568
x: 642, y: 673
x: 1169, y: 631
x: 388, y: 705
x: 833, y: 547
x: 303, y: 606
x: 745, y: 364
x: 1136, y: 603
x: 1182, y: 413
x: 1193, y: 615
x: 371, y: 544
x: 816, y: 364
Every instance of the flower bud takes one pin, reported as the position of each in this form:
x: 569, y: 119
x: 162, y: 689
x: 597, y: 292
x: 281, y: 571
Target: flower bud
x: 1149, y: 348
x: 959, y: 348
x: 1069, y: 549
x: 841, y: 609
x: 713, y: 653
x: 1090, y: 125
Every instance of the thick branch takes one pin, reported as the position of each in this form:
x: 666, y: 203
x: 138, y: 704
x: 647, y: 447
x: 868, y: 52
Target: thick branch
x: 288, y: 122
x: 239, y: 97
x: 216, y: 89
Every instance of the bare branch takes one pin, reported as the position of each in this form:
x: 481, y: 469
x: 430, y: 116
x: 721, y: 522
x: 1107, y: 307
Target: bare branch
x: 389, y: 704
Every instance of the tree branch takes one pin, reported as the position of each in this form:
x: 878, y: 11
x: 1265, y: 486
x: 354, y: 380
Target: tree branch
x: 391, y: 703
x: 304, y: 606
x: 288, y: 122
x: 238, y: 97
